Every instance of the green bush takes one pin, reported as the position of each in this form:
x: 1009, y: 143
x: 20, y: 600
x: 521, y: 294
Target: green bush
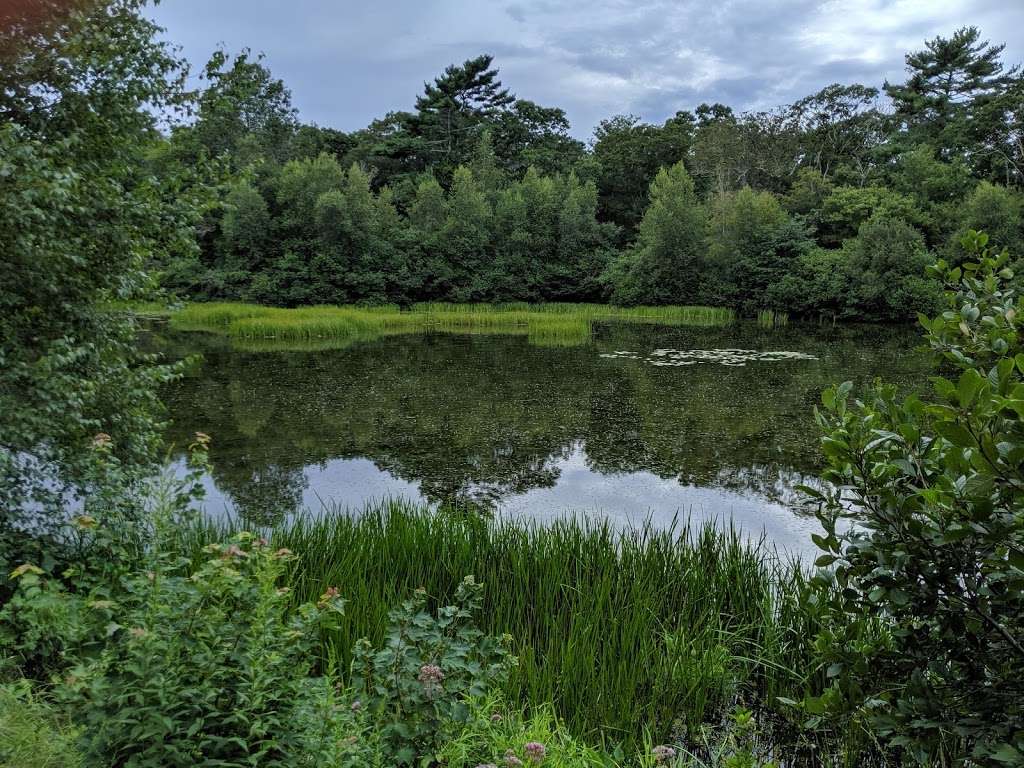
x: 174, y: 665
x: 494, y: 733
x: 418, y: 685
x: 886, y: 265
x: 931, y: 573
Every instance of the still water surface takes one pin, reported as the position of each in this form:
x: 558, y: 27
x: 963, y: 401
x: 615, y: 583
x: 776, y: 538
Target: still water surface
x: 641, y: 422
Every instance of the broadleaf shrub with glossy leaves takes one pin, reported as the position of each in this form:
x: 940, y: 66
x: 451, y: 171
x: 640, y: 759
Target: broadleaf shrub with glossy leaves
x: 933, y: 560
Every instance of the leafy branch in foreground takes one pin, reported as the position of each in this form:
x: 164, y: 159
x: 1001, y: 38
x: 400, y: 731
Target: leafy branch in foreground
x: 924, y: 531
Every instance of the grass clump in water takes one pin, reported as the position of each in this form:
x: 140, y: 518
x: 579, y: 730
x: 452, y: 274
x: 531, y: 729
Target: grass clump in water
x: 770, y: 318
x: 543, y: 324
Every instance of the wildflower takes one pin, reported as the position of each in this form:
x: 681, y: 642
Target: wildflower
x: 101, y: 440
x: 663, y: 753
x: 357, y: 705
x: 535, y: 751
x: 201, y: 438
x: 233, y: 551
x: 430, y: 675
x: 24, y: 568
x: 511, y: 760
x: 283, y: 552
x: 85, y: 521
x: 262, y: 541
x: 283, y: 590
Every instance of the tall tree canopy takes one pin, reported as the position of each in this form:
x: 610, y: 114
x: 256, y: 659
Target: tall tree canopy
x: 958, y: 98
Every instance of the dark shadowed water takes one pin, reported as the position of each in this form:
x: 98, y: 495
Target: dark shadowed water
x: 642, y: 421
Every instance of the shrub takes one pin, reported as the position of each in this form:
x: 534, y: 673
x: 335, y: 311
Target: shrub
x: 172, y: 665
x: 886, y: 266
x: 494, y: 733
x: 935, y: 558
x: 420, y: 683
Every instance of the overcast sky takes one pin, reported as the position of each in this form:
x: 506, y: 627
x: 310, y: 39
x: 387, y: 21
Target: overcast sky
x: 347, y: 62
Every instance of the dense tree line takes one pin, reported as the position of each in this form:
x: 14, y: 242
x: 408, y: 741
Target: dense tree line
x: 830, y: 206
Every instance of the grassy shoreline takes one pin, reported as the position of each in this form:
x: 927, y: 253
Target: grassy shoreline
x: 542, y: 324
x: 622, y: 632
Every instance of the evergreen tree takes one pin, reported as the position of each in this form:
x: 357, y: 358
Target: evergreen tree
x: 957, y: 97
x: 666, y: 264
x: 467, y: 240
x: 452, y: 109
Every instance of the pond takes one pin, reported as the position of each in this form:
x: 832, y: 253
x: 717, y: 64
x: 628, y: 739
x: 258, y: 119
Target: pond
x: 638, y: 422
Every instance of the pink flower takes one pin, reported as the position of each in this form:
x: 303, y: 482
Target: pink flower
x: 535, y: 751
x: 511, y: 760
x: 663, y: 753
x: 430, y: 675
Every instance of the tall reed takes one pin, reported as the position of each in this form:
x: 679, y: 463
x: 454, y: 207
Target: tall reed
x: 770, y: 318
x: 546, y: 324
x: 621, y: 630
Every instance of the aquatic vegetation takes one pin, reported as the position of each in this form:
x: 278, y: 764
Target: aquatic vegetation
x: 727, y: 357
x: 616, y: 629
x: 542, y: 324
x: 770, y: 318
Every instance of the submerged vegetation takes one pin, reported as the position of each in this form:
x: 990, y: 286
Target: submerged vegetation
x: 542, y: 323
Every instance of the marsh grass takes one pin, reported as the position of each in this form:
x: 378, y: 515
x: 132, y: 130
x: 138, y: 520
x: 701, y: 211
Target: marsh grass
x: 770, y: 318
x: 621, y: 630
x: 542, y: 324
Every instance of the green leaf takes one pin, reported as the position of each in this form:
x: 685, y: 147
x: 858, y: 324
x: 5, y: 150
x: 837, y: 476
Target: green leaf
x: 955, y: 433
x: 1007, y: 753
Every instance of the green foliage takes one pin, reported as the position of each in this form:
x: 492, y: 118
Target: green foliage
x: 420, y: 682
x: 174, y: 664
x: 629, y: 154
x: 32, y: 732
x: 752, y: 245
x: 495, y: 731
x: 583, y: 604
x: 843, y: 211
x: 956, y: 98
x: 996, y: 210
x: 885, y: 265
x: 80, y: 217
x: 244, y: 113
x: 665, y: 264
x: 935, y: 559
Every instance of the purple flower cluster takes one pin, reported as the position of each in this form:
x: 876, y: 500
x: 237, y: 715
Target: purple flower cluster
x: 535, y: 751
x: 430, y: 675
x: 662, y: 754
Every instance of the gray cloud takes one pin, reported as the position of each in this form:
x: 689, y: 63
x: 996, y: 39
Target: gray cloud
x: 349, y: 62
